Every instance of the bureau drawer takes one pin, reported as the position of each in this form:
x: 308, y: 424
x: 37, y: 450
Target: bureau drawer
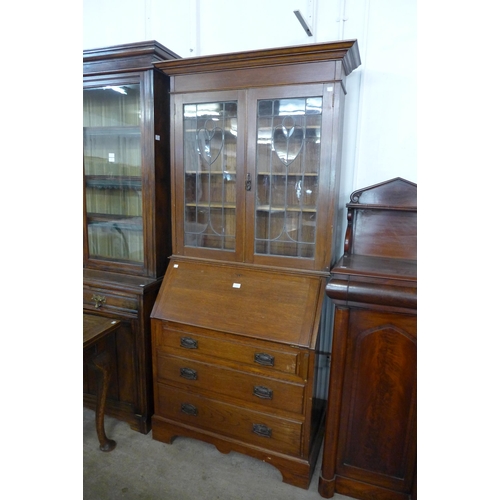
x: 250, y: 388
x: 259, y: 429
x: 102, y: 299
x: 261, y: 356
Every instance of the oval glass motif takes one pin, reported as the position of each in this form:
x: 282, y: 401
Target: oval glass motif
x: 288, y: 139
x: 210, y: 141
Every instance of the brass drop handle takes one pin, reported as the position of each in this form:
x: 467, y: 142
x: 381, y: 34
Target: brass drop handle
x: 189, y: 343
x: 264, y: 359
x: 99, y: 300
x: 262, y: 430
x: 189, y: 409
x: 262, y: 392
x: 189, y: 374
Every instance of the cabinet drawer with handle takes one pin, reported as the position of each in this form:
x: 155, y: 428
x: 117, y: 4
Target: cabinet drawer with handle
x: 261, y: 429
x: 101, y: 299
x: 259, y: 356
x: 250, y: 388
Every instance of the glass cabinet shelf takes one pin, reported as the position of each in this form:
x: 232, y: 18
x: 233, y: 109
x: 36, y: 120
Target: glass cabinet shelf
x: 211, y: 205
x: 289, y: 174
x: 112, y: 182
x: 268, y: 208
x: 125, y: 131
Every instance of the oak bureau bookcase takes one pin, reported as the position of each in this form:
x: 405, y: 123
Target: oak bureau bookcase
x: 126, y: 216
x: 256, y: 141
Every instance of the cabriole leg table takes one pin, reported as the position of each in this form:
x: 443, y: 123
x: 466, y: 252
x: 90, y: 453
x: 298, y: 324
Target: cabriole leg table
x: 96, y: 328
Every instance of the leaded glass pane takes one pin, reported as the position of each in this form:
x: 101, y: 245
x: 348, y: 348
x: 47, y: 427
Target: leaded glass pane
x: 288, y: 163
x: 210, y: 136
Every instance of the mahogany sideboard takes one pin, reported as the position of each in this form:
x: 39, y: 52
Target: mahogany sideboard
x: 370, y: 436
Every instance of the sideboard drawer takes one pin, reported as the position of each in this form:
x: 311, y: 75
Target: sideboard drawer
x: 260, y: 429
x: 102, y: 299
x: 266, y: 357
x: 249, y: 388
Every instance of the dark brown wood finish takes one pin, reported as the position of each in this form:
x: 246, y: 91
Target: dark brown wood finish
x: 125, y: 57
x: 96, y: 328
x: 129, y: 299
x: 127, y: 290
x: 235, y: 332
x: 133, y: 64
x: 370, y: 436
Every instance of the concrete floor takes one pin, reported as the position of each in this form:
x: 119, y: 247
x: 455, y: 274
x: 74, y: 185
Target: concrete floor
x: 142, y: 469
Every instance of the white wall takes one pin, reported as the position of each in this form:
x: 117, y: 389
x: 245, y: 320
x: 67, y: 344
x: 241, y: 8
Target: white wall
x: 380, y: 121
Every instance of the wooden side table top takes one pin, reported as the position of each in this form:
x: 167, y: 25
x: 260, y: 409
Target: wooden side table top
x: 96, y: 327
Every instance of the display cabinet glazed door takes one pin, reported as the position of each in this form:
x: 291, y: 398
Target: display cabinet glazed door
x: 211, y: 154
x: 112, y: 147
x: 289, y: 140
x: 255, y: 197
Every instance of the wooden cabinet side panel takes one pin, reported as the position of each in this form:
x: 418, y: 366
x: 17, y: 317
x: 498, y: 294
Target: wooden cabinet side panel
x: 160, y: 216
x: 341, y: 325
x: 378, y: 419
x: 126, y: 362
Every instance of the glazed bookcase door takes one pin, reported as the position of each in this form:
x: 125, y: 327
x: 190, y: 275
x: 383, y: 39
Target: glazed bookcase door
x: 113, y: 182
x: 288, y: 145
x: 209, y: 160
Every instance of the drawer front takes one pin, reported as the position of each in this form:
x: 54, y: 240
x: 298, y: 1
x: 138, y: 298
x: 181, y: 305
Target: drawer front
x: 101, y: 299
x: 250, y: 388
x: 259, y: 357
x: 252, y: 427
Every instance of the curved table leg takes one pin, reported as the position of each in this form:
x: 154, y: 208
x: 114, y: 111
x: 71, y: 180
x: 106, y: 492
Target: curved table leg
x: 102, y: 362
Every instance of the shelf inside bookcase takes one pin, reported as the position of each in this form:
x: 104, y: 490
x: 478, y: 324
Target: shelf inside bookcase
x: 113, y: 131
x: 113, y: 182
x: 217, y: 204
x: 289, y: 174
x: 278, y: 209
x: 103, y: 220
x: 211, y: 172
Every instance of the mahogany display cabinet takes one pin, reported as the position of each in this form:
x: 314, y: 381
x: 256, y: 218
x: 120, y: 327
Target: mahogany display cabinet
x: 126, y: 216
x: 370, y: 446
x: 256, y: 139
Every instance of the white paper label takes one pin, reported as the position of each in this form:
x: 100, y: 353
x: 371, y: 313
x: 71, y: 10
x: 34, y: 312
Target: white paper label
x: 236, y: 285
